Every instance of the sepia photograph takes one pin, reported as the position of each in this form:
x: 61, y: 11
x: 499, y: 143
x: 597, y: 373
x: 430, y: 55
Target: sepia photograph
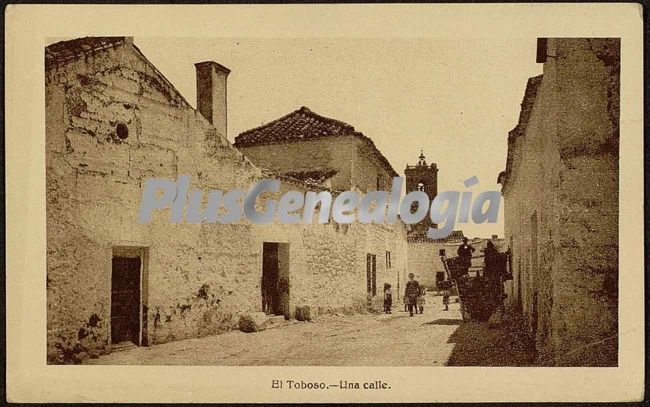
x: 540, y: 289
x: 216, y: 200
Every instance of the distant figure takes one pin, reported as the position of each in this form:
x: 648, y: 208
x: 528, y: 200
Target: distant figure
x: 406, y: 303
x: 411, y: 294
x: 493, y: 272
x: 422, y: 299
x: 491, y: 260
x: 388, y: 298
x: 446, y: 292
x: 465, y: 255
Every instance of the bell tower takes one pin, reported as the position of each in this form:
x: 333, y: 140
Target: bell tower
x: 422, y: 177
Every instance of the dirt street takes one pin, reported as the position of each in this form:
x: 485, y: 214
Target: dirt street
x: 435, y: 338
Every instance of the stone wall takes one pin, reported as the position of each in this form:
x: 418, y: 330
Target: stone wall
x: 368, y: 174
x: 320, y: 154
x: 198, y: 278
x: 424, y: 261
x: 561, y: 205
x: 328, y: 261
x: 355, y: 163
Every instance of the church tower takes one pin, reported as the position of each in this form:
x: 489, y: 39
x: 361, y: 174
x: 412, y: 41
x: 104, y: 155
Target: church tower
x: 422, y: 177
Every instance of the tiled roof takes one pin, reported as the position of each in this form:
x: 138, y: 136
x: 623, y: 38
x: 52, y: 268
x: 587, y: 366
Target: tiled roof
x: 62, y: 52
x: 454, y: 236
x: 313, y: 176
x: 301, y: 125
x: 298, y: 125
x: 532, y: 87
x: 307, y: 184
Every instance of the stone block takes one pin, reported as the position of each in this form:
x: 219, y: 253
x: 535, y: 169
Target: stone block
x: 253, y: 322
x: 303, y: 313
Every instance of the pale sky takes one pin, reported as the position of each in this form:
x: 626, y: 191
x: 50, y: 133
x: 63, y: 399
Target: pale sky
x: 455, y: 99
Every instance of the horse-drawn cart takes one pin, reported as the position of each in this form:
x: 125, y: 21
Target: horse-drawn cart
x: 482, y: 294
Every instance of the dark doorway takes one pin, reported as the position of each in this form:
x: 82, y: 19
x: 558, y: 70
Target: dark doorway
x: 125, y: 300
x: 275, y: 278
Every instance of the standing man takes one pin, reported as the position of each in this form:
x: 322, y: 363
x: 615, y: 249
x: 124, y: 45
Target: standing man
x: 412, y: 293
x: 465, y: 254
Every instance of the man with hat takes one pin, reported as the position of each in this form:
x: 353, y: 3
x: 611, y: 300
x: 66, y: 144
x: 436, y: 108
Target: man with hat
x: 412, y: 292
x: 465, y: 255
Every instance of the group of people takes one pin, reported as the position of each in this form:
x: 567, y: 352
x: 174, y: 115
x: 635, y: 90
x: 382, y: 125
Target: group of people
x: 491, y: 260
x: 415, y: 294
x: 414, y: 297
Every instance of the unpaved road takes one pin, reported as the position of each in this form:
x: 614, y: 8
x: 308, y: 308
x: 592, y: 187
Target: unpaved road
x: 435, y: 338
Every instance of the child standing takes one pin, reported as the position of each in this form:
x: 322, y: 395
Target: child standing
x: 421, y: 299
x: 446, y: 291
x: 388, y: 298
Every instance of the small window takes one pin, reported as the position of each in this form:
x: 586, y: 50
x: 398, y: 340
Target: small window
x: 420, y: 187
x: 442, y: 252
x: 122, y: 131
x: 388, y: 260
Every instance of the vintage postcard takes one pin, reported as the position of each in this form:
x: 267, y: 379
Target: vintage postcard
x: 320, y: 203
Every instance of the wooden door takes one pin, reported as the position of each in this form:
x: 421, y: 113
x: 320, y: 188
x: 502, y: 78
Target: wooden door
x: 270, y: 278
x: 125, y: 300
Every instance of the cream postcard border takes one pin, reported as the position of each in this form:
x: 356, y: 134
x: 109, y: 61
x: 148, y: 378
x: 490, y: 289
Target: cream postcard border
x: 29, y: 379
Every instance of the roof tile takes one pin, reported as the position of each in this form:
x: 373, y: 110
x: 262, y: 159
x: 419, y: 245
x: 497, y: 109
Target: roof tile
x: 300, y: 125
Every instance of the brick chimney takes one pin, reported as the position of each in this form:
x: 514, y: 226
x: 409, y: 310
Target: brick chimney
x: 211, y: 93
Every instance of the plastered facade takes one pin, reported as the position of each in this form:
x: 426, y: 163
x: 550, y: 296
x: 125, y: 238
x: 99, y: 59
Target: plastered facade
x: 356, y: 166
x: 197, y: 278
x: 560, y: 190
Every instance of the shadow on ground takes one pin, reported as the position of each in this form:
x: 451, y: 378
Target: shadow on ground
x: 445, y: 321
x: 483, y: 344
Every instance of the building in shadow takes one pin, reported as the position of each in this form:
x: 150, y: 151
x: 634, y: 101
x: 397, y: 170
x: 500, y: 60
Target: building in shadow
x: 560, y: 188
